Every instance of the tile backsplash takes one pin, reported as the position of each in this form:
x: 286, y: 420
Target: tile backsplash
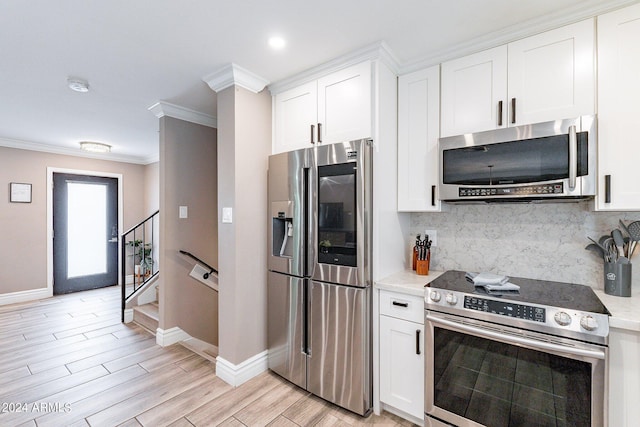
x: 537, y: 241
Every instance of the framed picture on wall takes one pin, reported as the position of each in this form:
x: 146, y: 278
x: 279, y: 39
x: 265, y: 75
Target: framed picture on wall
x: 20, y: 192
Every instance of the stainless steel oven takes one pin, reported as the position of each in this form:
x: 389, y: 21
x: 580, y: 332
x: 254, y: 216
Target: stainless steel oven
x: 505, y: 360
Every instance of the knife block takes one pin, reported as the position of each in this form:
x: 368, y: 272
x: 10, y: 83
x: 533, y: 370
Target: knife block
x: 422, y: 266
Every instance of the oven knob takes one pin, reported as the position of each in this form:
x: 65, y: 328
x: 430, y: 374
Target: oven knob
x: 435, y: 296
x: 589, y: 323
x: 562, y: 318
x: 451, y: 299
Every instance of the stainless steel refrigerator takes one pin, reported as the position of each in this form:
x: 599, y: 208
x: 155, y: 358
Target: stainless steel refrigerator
x: 319, y: 279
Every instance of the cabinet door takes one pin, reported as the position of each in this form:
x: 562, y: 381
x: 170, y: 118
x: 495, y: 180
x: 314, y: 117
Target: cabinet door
x: 472, y: 88
x: 401, y: 367
x: 344, y: 104
x: 418, y: 130
x: 295, y: 112
x: 619, y: 108
x: 551, y: 75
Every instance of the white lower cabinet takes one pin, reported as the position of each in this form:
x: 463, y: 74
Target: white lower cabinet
x: 402, y: 354
x: 624, y: 377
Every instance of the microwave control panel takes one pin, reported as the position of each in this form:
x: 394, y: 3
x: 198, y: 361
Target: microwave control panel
x: 530, y: 190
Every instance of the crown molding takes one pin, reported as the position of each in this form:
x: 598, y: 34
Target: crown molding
x: 375, y: 51
x: 233, y: 74
x: 75, y: 152
x: 585, y: 10
x: 162, y: 108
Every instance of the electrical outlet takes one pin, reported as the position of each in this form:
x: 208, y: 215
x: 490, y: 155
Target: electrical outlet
x: 433, y: 236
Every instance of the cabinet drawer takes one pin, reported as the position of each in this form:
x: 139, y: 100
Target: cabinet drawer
x: 401, y: 306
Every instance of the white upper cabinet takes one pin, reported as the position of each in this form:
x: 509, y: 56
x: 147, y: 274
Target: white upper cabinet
x: 552, y: 75
x: 418, y: 130
x: 473, y: 90
x: 334, y: 108
x: 545, y: 77
x: 296, y: 109
x: 618, y: 109
x: 344, y: 104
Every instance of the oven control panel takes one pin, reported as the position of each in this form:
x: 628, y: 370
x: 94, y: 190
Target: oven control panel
x: 504, y: 308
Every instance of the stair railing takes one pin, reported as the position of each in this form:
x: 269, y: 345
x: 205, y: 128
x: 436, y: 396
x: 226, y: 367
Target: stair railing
x: 139, y: 250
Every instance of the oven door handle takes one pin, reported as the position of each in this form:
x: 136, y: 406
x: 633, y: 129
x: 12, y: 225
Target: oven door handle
x: 539, y: 345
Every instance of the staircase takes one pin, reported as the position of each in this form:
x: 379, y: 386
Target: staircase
x: 147, y: 316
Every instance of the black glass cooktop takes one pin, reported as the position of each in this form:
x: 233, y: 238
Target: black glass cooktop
x: 556, y: 294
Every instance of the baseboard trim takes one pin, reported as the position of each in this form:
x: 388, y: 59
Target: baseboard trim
x: 165, y: 338
x: 242, y: 372
x: 24, y: 296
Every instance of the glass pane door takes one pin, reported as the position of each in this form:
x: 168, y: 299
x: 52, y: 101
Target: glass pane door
x: 87, y: 220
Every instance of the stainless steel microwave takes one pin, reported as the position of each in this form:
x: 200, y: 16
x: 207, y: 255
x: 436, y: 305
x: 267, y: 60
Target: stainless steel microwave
x: 550, y: 161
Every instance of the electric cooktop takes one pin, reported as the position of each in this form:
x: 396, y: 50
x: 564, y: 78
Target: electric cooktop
x: 569, y: 296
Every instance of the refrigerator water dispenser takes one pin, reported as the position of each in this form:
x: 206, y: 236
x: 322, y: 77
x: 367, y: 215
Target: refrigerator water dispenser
x: 282, y: 229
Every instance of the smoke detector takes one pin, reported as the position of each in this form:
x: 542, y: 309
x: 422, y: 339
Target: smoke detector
x: 78, y: 85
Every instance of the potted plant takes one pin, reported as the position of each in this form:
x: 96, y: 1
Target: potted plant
x: 143, y: 259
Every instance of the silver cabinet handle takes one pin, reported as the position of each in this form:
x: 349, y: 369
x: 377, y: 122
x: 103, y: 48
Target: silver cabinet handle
x: 527, y: 342
x: 312, y: 134
x: 499, y: 113
x: 607, y: 189
x: 319, y: 133
x: 513, y: 110
x: 573, y: 157
x: 418, y: 341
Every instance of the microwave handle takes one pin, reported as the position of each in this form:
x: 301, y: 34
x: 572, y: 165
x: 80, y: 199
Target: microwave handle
x: 573, y: 157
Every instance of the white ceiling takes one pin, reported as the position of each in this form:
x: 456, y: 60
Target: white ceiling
x: 135, y: 53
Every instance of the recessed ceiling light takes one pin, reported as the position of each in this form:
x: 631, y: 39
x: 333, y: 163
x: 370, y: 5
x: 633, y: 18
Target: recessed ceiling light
x: 95, y: 147
x: 277, y: 42
x: 78, y: 85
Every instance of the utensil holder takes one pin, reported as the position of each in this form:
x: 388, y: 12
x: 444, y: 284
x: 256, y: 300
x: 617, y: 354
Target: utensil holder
x: 422, y: 266
x: 617, y: 279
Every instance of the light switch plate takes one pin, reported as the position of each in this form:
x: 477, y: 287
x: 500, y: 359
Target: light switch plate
x: 433, y: 236
x: 183, y: 212
x: 227, y: 215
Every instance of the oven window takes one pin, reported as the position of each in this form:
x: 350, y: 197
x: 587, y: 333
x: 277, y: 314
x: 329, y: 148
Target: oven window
x: 337, y: 214
x: 499, y: 384
x: 514, y: 162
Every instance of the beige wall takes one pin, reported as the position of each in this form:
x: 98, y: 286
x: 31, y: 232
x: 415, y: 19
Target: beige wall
x: 23, y: 226
x: 244, y: 132
x: 188, y: 177
x: 152, y: 187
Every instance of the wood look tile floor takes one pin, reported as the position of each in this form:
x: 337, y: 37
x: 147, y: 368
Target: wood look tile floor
x: 69, y: 361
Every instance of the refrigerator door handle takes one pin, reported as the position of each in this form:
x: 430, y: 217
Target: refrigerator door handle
x: 307, y: 318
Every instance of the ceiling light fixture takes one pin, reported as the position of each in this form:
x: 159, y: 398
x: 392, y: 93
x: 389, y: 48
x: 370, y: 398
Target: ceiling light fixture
x: 78, y: 85
x: 277, y: 42
x: 95, y: 147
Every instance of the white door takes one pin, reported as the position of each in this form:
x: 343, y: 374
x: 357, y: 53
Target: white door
x: 296, y: 111
x: 402, y: 365
x: 344, y: 104
x: 473, y: 88
x: 552, y: 75
x: 418, y: 130
x: 619, y: 108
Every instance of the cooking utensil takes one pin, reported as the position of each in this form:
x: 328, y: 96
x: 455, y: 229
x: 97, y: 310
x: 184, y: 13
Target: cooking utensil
x: 612, y: 249
x: 598, y: 244
x: 634, y: 232
x: 595, y: 249
x: 618, y: 238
